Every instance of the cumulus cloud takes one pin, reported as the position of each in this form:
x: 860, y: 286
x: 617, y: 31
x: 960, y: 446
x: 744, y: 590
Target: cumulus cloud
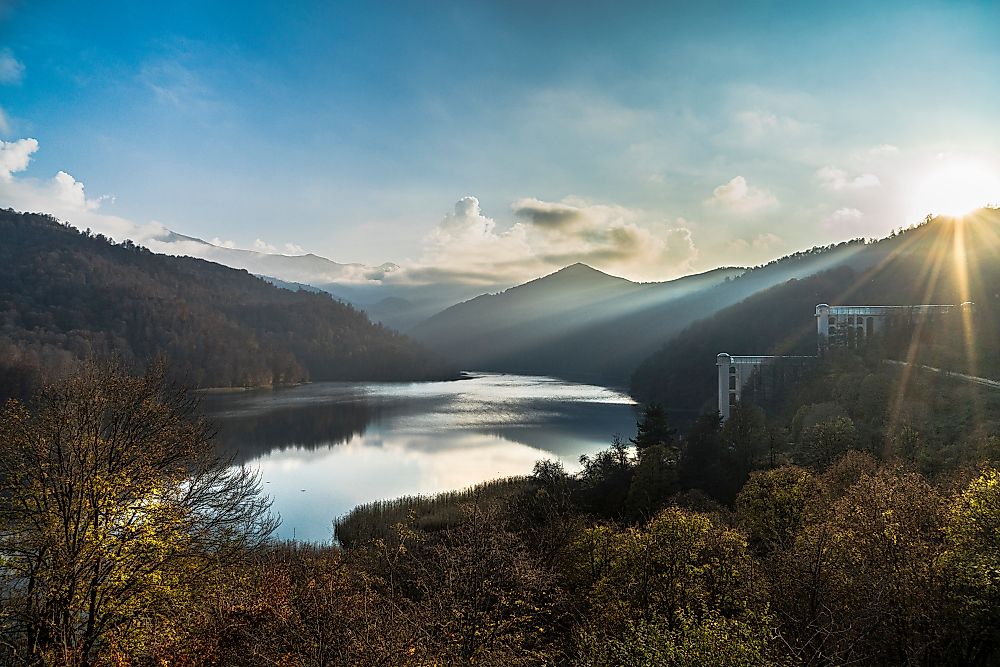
x: 11, y: 70
x: 549, y: 215
x: 15, y: 156
x: 550, y: 235
x: 466, y: 246
x: 739, y: 196
x: 465, y: 224
x: 64, y: 197
x: 835, y: 180
x: 260, y: 245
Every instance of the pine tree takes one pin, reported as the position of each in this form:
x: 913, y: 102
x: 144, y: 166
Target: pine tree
x: 653, y: 429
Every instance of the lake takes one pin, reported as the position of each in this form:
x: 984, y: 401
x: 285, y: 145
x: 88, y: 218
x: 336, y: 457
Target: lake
x: 324, y: 448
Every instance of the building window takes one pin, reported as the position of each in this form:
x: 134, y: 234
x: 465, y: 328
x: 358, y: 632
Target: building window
x: 732, y: 370
x: 732, y: 398
x: 732, y: 382
x: 870, y: 326
x: 832, y: 321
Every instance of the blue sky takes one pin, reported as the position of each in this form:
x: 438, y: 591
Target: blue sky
x: 650, y: 139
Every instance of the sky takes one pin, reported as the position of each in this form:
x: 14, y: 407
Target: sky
x: 650, y: 140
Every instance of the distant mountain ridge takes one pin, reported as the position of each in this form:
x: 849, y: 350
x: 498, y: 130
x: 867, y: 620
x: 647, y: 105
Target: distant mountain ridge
x: 67, y: 296
x: 397, y: 304
x: 306, y: 268
x: 544, y: 326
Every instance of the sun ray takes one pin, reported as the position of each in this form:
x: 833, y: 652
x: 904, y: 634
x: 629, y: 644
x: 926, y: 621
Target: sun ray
x: 933, y: 264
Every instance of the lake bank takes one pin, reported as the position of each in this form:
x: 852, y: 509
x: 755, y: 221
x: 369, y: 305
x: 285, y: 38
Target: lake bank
x: 324, y: 448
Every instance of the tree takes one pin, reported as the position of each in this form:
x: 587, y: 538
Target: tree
x: 472, y: 593
x: 972, y: 562
x: 745, y: 434
x: 827, y: 441
x: 113, y: 506
x: 773, y: 505
x: 605, y: 479
x: 701, y: 458
x: 653, y: 429
x: 655, y: 479
x: 671, y: 588
x: 861, y: 583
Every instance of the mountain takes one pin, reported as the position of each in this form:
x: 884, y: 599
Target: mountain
x: 558, y: 324
x: 401, y: 305
x: 378, y: 290
x: 292, y: 287
x: 308, y: 268
x: 581, y: 324
x: 66, y: 296
x: 946, y: 260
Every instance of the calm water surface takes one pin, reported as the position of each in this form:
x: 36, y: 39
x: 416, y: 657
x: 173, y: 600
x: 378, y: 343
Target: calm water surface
x: 324, y: 448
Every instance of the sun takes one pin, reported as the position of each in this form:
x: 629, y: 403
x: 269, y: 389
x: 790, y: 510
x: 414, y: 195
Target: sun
x: 956, y: 187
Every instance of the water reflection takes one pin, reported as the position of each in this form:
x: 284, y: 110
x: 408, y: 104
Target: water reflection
x: 326, y: 447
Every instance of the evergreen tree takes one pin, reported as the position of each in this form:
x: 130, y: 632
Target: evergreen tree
x: 653, y: 429
x: 701, y: 459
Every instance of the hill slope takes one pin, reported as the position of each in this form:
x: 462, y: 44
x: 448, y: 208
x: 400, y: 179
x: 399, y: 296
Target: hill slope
x: 580, y: 323
x: 943, y: 261
x: 515, y: 330
x: 67, y: 296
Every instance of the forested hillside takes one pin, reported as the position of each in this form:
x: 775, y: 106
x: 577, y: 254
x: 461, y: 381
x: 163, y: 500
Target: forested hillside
x: 582, y: 324
x: 943, y: 261
x: 66, y: 296
x: 857, y: 525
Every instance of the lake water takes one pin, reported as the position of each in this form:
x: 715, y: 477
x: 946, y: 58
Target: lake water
x: 324, y: 448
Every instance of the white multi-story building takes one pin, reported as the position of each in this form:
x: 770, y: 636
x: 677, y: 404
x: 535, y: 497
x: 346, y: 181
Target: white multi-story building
x: 850, y: 326
x: 759, y: 373
x: 836, y: 326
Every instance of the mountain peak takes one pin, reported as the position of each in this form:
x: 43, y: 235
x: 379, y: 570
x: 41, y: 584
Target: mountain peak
x: 578, y: 267
x: 581, y: 270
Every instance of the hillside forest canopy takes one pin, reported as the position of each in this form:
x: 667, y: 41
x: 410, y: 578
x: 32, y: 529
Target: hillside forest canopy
x: 857, y: 524
x: 68, y: 296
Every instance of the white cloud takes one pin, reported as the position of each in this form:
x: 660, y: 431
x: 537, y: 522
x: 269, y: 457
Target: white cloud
x: 739, y: 196
x: 550, y: 235
x: 466, y: 223
x: 15, y: 156
x: 11, y: 70
x: 70, y: 191
x: 65, y: 198
x: 62, y: 196
x: 466, y: 246
x: 834, y: 179
x: 260, y: 246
